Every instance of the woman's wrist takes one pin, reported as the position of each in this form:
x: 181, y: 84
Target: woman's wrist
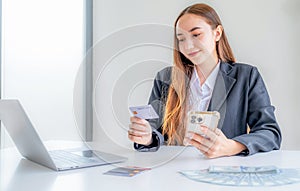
x: 150, y: 141
x: 235, y: 147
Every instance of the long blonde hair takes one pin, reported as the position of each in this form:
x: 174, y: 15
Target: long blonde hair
x: 175, y: 110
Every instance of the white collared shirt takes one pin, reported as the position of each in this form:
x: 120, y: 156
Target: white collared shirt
x: 200, y: 96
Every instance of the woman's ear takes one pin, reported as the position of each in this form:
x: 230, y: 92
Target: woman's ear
x: 218, y: 32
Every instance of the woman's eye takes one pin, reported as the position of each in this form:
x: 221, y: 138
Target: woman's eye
x: 181, y: 40
x: 195, y: 35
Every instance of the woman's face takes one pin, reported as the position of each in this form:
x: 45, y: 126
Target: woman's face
x: 196, y: 39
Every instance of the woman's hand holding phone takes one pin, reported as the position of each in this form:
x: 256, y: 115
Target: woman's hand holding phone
x: 213, y: 143
x: 202, y: 133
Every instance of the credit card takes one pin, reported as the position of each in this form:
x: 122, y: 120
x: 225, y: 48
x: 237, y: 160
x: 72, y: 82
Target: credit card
x: 144, y: 112
x: 126, y: 171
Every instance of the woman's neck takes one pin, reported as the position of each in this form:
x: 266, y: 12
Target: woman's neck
x: 205, y: 69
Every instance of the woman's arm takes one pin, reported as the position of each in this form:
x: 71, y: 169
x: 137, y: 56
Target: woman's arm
x: 157, y: 99
x: 265, y: 134
x: 253, y: 109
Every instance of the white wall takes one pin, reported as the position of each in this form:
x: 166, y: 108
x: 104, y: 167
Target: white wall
x: 42, y: 52
x: 261, y: 33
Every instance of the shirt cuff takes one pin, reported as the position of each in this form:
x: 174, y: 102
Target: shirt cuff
x: 154, y: 146
x: 244, y: 153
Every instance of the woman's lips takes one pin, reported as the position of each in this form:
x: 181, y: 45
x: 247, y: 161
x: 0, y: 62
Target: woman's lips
x: 193, y: 53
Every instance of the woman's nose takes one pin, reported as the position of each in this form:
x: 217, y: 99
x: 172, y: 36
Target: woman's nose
x: 189, y: 44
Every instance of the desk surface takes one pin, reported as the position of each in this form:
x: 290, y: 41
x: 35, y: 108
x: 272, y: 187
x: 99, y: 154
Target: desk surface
x: 20, y: 174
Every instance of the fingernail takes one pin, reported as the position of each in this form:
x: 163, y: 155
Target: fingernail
x: 203, y: 129
x: 186, y: 141
x: 189, y: 135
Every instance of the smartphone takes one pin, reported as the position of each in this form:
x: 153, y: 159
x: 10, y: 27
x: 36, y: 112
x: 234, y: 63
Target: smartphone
x: 209, y: 119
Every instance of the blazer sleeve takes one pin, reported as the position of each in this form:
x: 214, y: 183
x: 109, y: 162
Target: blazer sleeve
x: 157, y: 99
x: 264, y: 133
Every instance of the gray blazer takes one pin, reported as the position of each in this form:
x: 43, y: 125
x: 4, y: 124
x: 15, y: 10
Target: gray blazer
x: 240, y: 96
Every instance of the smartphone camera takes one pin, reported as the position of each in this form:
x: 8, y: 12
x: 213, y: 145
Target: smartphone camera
x: 196, y: 119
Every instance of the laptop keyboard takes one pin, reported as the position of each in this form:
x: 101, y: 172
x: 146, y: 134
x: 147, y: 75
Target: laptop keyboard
x: 66, y: 159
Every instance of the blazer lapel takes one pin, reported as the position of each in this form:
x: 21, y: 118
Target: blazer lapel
x: 223, y: 85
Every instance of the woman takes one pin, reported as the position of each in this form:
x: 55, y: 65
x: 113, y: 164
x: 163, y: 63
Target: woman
x: 206, y: 77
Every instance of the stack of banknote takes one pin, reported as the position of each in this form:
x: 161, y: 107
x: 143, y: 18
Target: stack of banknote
x: 244, y: 175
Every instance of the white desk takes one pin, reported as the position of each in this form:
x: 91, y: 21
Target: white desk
x: 20, y: 174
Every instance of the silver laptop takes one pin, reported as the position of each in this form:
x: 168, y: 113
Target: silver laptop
x: 31, y: 147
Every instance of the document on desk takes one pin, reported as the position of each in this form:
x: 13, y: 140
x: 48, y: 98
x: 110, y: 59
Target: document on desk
x: 244, y: 176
